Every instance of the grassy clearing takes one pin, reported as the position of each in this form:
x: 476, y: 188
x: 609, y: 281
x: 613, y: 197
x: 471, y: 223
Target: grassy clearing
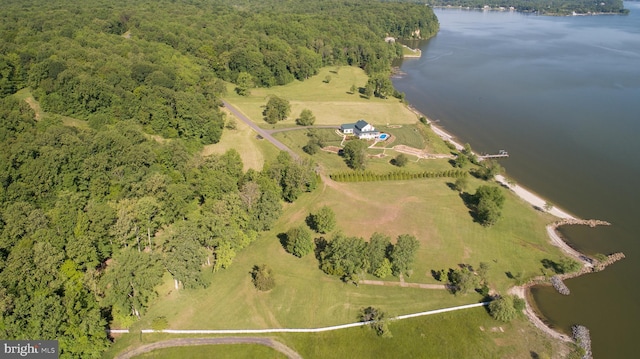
x: 304, y: 297
x: 243, y: 139
x: 331, y: 103
x: 215, y: 351
x: 462, y: 334
x: 25, y: 95
x: 408, y: 135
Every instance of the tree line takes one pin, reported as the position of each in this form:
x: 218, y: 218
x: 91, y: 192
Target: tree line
x: 163, y: 64
x: 365, y: 176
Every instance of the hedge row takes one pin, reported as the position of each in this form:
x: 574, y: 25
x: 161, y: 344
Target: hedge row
x: 368, y: 176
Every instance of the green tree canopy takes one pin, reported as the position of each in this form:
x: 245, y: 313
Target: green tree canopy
x: 262, y: 277
x: 324, y: 220
x: 354, y: 153
x: 344, y: 256
x: 277, y: 109
x: 298, y: 241
x: 400, y: 160
x: 306, y: 118
x: 505, y: 308
x: 488, y: 204
x: 403, y: 253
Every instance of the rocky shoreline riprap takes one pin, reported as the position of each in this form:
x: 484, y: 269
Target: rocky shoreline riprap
x: 583, y: 340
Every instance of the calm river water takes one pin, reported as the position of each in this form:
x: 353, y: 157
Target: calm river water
x: 562, y: 95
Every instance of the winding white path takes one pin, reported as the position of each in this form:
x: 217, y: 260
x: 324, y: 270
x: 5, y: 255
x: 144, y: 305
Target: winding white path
x: 303, y: 330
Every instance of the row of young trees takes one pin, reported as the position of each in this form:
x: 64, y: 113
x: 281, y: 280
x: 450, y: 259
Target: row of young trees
x: 365, y: 176
x: 91, y: 220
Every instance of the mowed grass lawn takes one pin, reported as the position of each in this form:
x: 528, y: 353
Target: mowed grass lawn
x: 462, y: 334
x: 331, y: 103
x: 243, y: 139
x: 467, y: 334
x: 305, y: 297
x: 215, y: 351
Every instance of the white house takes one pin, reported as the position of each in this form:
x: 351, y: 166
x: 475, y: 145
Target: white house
x: 360, y: 129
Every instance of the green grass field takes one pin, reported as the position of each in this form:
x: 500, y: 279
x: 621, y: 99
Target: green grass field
x: 215, y: 351
x: 243, y: 139
x: 331, y: 103
x: 305, y: 297
x: 463, y: 334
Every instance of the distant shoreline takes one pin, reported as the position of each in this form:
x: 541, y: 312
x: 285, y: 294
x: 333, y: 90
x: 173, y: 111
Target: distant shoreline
x: 535, y: 12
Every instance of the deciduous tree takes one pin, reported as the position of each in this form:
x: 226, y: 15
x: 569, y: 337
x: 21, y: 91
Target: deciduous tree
x: 403, y: 253
x: 262, y: 277
x: 306, y: 118
x: 354, y: 153
x: 277, y: 109
x: 503, y: 308
x: 324, y: 220
x: 298, y: 241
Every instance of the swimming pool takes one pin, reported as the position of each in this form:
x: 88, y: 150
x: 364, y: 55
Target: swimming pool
x: 383, y: 136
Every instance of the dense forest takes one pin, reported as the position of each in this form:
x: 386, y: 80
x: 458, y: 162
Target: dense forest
x: 94, y: 214
x: 160, y: 63
x: 550, y: 7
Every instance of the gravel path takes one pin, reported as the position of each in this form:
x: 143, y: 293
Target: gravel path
x: 264, y: 133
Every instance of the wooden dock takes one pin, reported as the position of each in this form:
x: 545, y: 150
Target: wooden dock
x: 500, y: 154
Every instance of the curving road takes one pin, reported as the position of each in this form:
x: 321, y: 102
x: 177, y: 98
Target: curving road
x: 182, y: 342
x: 264, y: 133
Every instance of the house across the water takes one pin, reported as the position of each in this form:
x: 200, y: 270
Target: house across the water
x: 360, y: 129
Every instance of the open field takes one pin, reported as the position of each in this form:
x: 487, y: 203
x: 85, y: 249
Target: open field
x: 331, y: 103
x: 437, y: 336
x: 215, y: 351
x: 244, y: 140
x: 305, y: 297
x: 463, y: 334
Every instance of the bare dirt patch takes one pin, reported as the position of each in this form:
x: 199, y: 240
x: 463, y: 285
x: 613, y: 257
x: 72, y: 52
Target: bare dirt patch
x: 332, y: 149
x: 379, y: 155
x: 35, y: 106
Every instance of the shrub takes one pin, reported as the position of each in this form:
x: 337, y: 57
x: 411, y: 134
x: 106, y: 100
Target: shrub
x: 299, y: 241
x: 400, y: 160
x: 378, y: 319
x: 306, y: 118
x: 262, y: 277
x: 323, y: 221
x: 159, y: 323
x: 503, y: 309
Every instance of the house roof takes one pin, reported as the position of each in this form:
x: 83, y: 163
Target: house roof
x: 345, y: 126
x: 361, y: 124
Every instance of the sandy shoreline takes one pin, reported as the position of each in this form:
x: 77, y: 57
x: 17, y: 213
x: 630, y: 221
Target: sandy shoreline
x: 537, y: 202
